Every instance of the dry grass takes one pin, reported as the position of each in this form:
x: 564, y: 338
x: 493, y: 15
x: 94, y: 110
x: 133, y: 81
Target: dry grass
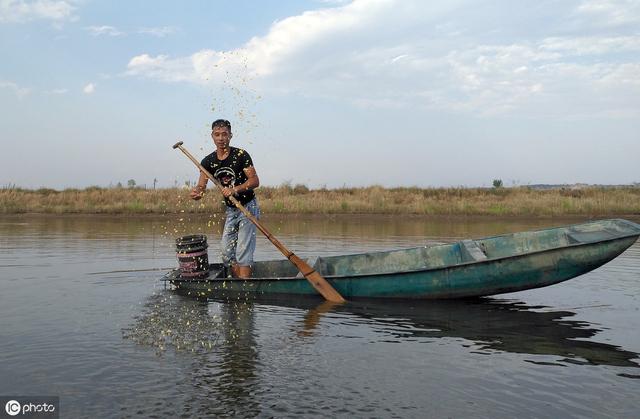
x: 287, y: 199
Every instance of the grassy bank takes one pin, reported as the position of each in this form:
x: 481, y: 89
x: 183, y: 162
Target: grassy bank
x: 521, y: 201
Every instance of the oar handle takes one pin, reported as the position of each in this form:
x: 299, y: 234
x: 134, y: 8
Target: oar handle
x: 314, y: 277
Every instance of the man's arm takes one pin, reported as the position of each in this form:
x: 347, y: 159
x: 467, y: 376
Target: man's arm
x: 252, y: 182
x: 198, y: 191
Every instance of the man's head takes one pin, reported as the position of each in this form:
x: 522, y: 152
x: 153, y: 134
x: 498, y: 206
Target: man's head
x: 221, y: 133
x: 221, y: 123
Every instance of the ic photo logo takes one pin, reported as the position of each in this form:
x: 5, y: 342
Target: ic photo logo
x: 30, y: 406
x: 12, y: 408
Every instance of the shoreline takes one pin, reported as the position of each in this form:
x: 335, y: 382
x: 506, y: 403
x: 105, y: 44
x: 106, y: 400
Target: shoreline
x: 601, y: 202
x: 319, y: 216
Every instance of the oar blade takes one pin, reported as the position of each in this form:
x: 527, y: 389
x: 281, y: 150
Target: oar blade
x: 317, y: 281
x: 324, y: 288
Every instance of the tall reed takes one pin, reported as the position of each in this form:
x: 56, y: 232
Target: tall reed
x: 299, y: 199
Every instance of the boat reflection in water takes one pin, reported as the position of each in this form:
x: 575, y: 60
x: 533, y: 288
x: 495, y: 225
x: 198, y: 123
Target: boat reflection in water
x: 490, y: 323
x: 227, y: 351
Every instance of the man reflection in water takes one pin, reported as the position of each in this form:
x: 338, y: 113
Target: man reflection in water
x: 234, y: 169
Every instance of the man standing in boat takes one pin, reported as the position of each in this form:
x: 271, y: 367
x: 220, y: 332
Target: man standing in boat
x: 234, y: 169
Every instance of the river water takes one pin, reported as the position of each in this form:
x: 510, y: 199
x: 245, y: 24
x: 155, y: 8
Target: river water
x: 83, y: 316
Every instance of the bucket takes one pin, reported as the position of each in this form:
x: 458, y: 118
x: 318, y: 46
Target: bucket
x: 192, y: 256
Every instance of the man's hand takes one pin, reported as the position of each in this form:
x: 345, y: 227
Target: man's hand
x: 196, y: 193
x: 227, y: 192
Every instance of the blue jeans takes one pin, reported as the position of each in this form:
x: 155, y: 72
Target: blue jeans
x: 239, y: 236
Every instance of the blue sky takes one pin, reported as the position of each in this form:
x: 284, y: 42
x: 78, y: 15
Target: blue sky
x: 363, y: 92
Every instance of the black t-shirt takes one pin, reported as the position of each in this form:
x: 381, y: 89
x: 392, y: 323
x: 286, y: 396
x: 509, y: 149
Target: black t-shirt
x: 230, y: 172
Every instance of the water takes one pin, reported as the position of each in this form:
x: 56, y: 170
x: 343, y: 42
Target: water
x: 84, y: 317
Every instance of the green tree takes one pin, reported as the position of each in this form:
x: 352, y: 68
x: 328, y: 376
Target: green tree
x: 131, y: 183
x: 497, y: 183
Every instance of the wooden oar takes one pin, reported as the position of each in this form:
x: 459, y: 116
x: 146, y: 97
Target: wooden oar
x: 315, y: 279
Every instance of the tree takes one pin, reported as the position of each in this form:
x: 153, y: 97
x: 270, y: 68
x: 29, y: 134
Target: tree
x: 131, y: 183
x: 497, y: 183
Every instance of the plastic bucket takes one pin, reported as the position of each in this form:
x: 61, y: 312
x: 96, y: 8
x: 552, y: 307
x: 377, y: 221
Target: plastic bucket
x: 193, y: 259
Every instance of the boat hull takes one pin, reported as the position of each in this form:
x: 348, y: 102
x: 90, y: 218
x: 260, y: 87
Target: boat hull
x: 473, y: 279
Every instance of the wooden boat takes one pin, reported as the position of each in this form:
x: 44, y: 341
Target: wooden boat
x: 468, y: 268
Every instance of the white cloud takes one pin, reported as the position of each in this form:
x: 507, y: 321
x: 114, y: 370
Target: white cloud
x: 160, y: 32
x: 497, y: 79
x: 399, y: 57
x: 492, y: 79
x: 89, y: 88
x: 165, y: 69
x: 261, y: 55
x: 611, y: 12
x: 590, y: 45
x: 624, y: 74
x: 20, y: 92
x: 387, y: 53
x: 19, y: 11
x: 104, y: 30
x: 107, y: 30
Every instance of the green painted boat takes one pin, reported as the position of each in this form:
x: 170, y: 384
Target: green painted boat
x: 468, y: 268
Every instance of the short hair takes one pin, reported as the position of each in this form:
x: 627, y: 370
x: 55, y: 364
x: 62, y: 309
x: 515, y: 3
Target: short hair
x: 221, y: 123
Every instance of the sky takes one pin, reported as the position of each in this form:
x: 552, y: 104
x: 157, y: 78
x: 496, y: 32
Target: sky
x: 320, y: 92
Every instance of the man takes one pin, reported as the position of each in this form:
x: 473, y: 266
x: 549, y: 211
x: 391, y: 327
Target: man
x: 234, y: 169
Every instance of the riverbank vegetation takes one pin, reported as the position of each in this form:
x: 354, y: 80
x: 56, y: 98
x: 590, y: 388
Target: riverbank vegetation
x: 299, y: 199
